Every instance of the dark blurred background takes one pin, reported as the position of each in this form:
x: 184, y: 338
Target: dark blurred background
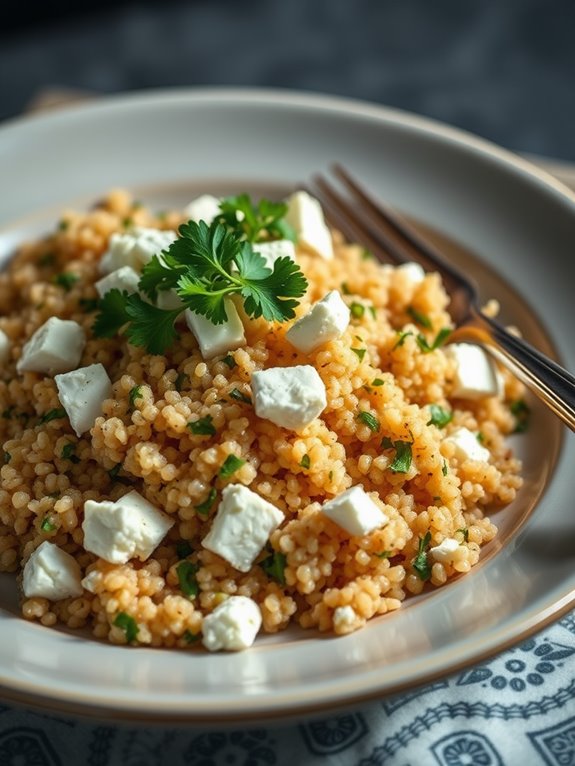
x: 503, y: 69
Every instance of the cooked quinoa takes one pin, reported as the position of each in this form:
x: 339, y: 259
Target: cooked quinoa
x: 326, y: 579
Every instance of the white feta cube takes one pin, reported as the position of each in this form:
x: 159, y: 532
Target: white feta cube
x: 135, y: 248
x: 304, y: 214
x: 169, y: 300
x: 413, y: 271
x: 91, y: 581
x: 445, y: 550
x: 326, y: 320
x: 51, y: 573
x: 56, y: 346
x: 232, y: 626
x: 124, y: 279
x: 215, y: 339
x: 476, y: 374
x: 344, y: 619
x: 271, y: 251
x: 291, y: 397
x: 242, y: 526
x: 82, y: 393
x: 120, y: 530
x: 5, y: 347
x: 204, y: 208
x: 467, y: 446
x: 355, y: 511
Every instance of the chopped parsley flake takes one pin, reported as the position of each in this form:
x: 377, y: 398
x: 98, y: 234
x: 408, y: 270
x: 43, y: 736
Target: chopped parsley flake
x: 186, y: 572
x: 183, y: 549
x: 439, y: 416
x: 444, y: 468
x: 128, y: 625
x: 54, y: 414
x: 180, y: 380
x: 191, y: 638
x: 47, y: 525
x: 113, y: 472
x: 256, y: 220
x: 402, y: 461
x: 345, y: 288
x: 135, y: 393
x: 440, y: 339
x: 230, y: 361
x: 419, y: 318
x: 464, y: 532
x: 367, y: 255
x: 369, y: 420
x: 360, y: 353
x: 230, y: 465
x: 69, y: 453
x: 204, y: 508
x: 377, y: 382
x: 401, y: 339
x: 421, y: 562
x: 383, y: 555
x: 520, y: 409
x: 357, y: 310
x: 274, y: 566
x: 305, y: 462
x: 236, y: 394
x: 66, y: 280
x: 203, y: 426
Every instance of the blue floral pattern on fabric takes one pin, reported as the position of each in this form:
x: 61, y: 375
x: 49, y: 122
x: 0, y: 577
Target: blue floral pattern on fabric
x: 556, y: 744
x: 23, y: 746
x: 334, y: 735
x: 237, y: 748
x: 465, y: 748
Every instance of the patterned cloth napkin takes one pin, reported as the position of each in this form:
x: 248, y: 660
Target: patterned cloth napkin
x: 518, y: 708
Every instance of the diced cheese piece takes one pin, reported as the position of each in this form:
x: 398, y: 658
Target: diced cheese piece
x: 326, y: 320
x: 124, y: 279
x: 203, y: 208
x: 445, y: 550
x: 475, y: 373
x: 355, y: 511
x: 271, y: 251
x: 51, y: 573
x: 413, y: 271
x: 5, y: 347
x: 291, y: 397
x: 242, y: 526
x: 82, y: 393
x: 232, y: 626
x: 135, y: 248
x: 467, y: 447
x: 344, y: 619
x: 305, y: 215
x: 117, y: 531
x: 91, y: 581
x: 215, y: 339
x: 56, y: 346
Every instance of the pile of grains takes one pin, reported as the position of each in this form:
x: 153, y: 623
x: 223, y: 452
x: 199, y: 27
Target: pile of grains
x: 312, y: 572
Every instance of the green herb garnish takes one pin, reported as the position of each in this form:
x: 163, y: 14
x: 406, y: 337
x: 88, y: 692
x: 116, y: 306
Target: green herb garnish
x: 480, y: 436
x: 69, y: 453
x: 203, y: 426
x: 420, y: 562
x: 204, y: 508
x: 191, y: 638
x: 383, y: 555
x: 440, y: 339
x: 135, y: 393
x: 230, y: 361
x: 444, y: 468
x: 236, y: 394
x: 366, y: 255
x: 66, y: 280
x: 520, y: 409
x: 369, y: 420
x: 360, y: 353
x: 113, y: 472
x: 128, y: 625
x: 402, y: 461
x: 274, y: 566
x: 183, y: 549
x: 439, y: 416
x: 186, y: 572
x: 230, y: 465
x: 464, y: 532
x: 263, y: 220
x: 357, y: 310
x: 7, y: 457
x: 47, y: 525
x: 305, y: 462
x: 180, y: 380
x: 401, y: 340
x: 54, y: 414
x: 377, y: 382
x: 419, y: 318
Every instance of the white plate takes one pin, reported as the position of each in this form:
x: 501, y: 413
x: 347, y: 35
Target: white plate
x: 166, y: 147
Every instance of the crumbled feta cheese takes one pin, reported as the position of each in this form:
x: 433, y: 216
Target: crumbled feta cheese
x: 203, y: 208
x: 305, y: 215
x: 135, y: 248
x: 121, y: 529
x: 344, y: 619
x: 91, y: 580
x: 475, y: 372
x: 355, y: 511
x: 413, y: 271
x: 5, y: 347
x: 271, y: 251
x: 242, y: 526
x: 291, y: 397
x: 56, y: 346
x: 124, y: 279
x: 445, y: 550
x: 82, y: 393
x: 232, y: 626
x: 215, y: 339
x: 467, y: 446
x: 326, y: 320
x: 51, y: 573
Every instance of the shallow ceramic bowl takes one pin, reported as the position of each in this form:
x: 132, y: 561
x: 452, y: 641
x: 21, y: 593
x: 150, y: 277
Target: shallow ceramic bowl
x: 512, y: 226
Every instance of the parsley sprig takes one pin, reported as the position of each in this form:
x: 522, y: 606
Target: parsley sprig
x: 205, y: 266
x: 253, y: 221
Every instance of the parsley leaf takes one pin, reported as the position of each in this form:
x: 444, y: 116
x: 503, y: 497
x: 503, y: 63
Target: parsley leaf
x: 401, y: 339
x: 69, y: 453
x: 403, y: 457
x: 229, y: 361
x: 377, y: 382
x: 464, y: 531
x: 357, y: 310
x: 203, y: 426
x: 420, y: 562
x: 236, y: 394
x: 439, y: 416
x: 230, y: 465
x: 359, y: 352
x: 186, y: 572
x: 522, y: 413
x: 370, y: 420
x: 128, y: 625
x: 274, y: 566
x: 305, y: 462
x: 55, y: 414
x: 47, y: 525
x: 204, y: 508
x: 183, y: 549
x: 264, y: 218
x: 440, y: 339
x: 135, y: 393
x: 66, y: 280
x: 419, y: 318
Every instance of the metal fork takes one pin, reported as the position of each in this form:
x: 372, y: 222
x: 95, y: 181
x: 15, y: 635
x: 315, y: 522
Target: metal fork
x: 363, y: 218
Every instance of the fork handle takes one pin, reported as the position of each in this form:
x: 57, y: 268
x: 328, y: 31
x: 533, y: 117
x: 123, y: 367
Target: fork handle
x: 548, y: 380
